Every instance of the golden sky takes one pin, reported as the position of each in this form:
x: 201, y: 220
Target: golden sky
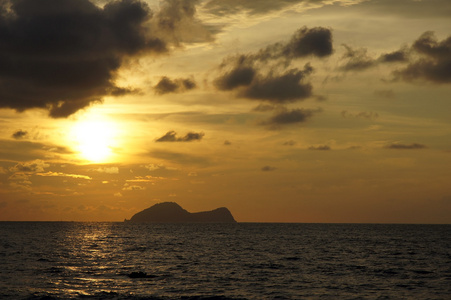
x: 281, y: 111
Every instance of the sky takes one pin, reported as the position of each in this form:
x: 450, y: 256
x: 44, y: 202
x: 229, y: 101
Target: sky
x: 281, y: 111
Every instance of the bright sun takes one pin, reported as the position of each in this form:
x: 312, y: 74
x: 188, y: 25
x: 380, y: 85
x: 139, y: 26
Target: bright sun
x: 95, y: 138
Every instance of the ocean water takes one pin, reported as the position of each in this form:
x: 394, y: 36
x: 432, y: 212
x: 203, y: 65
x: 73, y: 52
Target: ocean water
x: 71, y: 260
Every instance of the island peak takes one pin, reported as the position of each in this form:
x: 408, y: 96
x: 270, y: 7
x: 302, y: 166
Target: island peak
x: 171, y: 212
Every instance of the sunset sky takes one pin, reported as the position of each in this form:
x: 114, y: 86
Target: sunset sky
x: 281, y: 111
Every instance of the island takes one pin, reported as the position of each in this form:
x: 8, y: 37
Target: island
x: 171, y: 212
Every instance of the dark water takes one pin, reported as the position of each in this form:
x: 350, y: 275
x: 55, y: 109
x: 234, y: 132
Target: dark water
x: 224, y: 261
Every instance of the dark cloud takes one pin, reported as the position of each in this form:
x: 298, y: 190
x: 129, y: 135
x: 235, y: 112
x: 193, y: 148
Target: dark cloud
x: 434, y: 62
x: 264, y: 75
x: 359, y: 60
x: 239, y: 76
x: 171, y: 136
x: 320, y: 148
x: 178, y: 85
x: 287, y: 117
x: 268, y: 168
x: 63, y: 55
x: 19, y: 134
x: 405, y: 146
x: 395, y: 56
x: 283, y: 88
x: 227, y: 143
x: 315, y: 41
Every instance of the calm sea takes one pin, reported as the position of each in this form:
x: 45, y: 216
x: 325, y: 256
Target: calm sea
x: 65, y: 260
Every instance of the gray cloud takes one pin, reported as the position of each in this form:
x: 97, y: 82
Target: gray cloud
x: 268, y: 168
x: 405, y: 146
x: 360, y: 115
x: 178, y: 85
x: 171, y: 136
x: 320, y: 148
x: 283, y: 88
x: 289, y: 143
x: 239, y: 76
x: 385, y: 93
x: 278, y: 84
x: 288, y: 117
x: 62, y: 55
x: 315, y: 41
x: 264, y: 107
x: 19, y: 134
x: 434, y: 63
x: 357, y: 59
x: 395, y: 56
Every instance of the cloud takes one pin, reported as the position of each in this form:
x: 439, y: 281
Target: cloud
x: 227, y: 143
x: 264, y: 107
x: 60, y: 174
x: 63, y: 55
x: 179, y: 85
x: 239, y: 76
x: 395, y: 56
x: 171, y: 136
x: 264, y: 75
x: 283, y: 88
x: 289, y: 143
x: 361, y: 115
x: 177, y: 23
x: 287, y: 117
x: 385, y: 93
x: 108, y: 170
x: 128, y: 187
x: 261, y: 7
x: 357, y: 59
x: 19, y: 134
x: 154, y: 167
x: 405, y: 146
x: 433, y: 63
x: 268, y: 168
x: 181, y: 158
x: 320, y: 148
x: 286, y: 87
x: 315, y: 41
x: 30, y: 167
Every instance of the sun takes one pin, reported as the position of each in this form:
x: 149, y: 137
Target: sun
x: 95, y: 139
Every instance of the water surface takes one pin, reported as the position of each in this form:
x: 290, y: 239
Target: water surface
x: 71, y: 260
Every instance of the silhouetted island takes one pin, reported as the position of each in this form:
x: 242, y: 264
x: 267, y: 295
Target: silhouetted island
x: 171, y: 212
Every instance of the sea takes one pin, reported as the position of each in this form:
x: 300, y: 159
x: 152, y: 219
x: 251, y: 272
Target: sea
x: 80, y: 260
